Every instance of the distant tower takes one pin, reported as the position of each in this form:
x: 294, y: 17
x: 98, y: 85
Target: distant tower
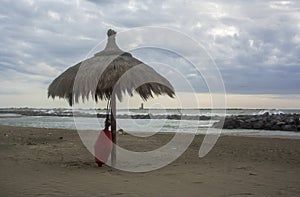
x: 142, y: 106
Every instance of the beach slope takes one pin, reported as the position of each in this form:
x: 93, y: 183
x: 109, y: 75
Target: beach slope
x: 54, y: 162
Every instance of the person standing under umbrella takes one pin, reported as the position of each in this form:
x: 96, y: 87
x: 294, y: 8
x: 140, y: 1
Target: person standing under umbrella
x: 103, y: 145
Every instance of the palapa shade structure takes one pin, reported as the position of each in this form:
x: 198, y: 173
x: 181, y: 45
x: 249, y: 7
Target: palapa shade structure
x: 107, y: 75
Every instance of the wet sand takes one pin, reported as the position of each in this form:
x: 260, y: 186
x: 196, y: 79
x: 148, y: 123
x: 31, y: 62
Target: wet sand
x: 54, y: 162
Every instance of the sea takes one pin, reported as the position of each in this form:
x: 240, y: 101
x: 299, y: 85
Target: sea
x: 87, y: 119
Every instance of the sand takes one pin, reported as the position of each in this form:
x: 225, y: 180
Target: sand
x: 54, y: 162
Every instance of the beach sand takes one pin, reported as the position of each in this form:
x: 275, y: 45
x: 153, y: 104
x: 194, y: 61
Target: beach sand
x: 54, y: 162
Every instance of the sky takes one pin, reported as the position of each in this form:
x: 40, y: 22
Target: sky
x: 254, y: 44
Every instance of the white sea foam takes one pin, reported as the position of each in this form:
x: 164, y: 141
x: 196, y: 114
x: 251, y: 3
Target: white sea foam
x: 270, y: 111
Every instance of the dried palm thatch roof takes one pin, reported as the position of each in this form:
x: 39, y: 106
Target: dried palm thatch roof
x: 111, y: 71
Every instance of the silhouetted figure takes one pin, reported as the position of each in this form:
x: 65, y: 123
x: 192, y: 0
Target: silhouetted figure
x: 103, y: 145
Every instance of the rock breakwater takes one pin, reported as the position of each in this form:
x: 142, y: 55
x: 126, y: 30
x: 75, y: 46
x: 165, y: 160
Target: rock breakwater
x: 283, y: 122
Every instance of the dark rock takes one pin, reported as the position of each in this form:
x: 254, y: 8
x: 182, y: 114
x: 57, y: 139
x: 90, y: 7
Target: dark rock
x: 247, y: 126
x: 285, y: 122
x: 289, y: 128
x: 275, y: 127
x: 266, y: 114
x: 258, y: 125
x: 297, y: 120
x: 280, y: 124
x: 268, y: 126
x: 174, y: 117
x: 286, y: 127
x: 291, y: 121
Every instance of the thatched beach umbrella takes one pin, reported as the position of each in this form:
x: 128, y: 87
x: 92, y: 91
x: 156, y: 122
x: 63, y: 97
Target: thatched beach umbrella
x: 107, y: 75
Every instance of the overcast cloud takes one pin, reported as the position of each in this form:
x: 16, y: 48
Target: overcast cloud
x: 256, y: 44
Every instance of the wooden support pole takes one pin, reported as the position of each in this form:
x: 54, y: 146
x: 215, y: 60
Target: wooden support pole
x: 113, y: 129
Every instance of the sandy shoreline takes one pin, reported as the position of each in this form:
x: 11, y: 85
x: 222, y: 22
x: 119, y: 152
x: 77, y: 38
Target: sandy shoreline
x: 54, y: 162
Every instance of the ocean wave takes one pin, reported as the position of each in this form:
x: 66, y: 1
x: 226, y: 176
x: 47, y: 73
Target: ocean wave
x: 176, y: 114
x: 270, y: 112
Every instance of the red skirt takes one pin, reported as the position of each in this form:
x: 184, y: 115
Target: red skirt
x: 103, y: 147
